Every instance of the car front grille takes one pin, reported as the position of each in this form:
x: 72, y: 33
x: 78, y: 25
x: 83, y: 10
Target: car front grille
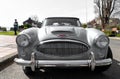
x: 62, y: 49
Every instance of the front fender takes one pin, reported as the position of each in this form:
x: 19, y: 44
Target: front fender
x: 25, y: 52
x: 92, y: 34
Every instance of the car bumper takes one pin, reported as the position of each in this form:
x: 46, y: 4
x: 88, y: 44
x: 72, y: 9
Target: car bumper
x: 63, y: 63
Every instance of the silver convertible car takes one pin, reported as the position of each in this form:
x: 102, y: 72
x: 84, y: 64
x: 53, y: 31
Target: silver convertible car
x: 63, y: 42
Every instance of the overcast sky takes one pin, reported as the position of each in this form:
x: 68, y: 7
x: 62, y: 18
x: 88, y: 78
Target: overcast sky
x: 23, y: 9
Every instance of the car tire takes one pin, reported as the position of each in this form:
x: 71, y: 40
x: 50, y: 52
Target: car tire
x: 104, y: 68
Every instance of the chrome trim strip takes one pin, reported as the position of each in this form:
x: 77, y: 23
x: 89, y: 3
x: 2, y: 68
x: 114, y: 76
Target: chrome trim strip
x: 63, y: 40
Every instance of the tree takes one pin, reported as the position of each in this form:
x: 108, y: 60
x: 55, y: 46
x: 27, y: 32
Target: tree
x: 104, y: 9
x: 36, y: 20
x: 116, y: 12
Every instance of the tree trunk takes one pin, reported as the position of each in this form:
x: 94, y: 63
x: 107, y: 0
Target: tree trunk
x: 103, y: 29
x: 103, y: 24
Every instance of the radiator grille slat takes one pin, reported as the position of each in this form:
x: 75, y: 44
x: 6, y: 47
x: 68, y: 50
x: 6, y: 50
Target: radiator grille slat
x: 62, y: 48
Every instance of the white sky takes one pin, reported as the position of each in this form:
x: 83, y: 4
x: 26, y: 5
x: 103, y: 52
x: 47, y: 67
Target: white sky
x: 23, y: 9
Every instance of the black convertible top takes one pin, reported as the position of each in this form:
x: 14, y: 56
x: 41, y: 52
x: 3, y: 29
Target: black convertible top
x: 62, y: 18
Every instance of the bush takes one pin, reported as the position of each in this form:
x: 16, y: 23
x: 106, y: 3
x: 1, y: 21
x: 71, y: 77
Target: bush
x: 84, y: 25
x: 111, y: 33
x: 12, y: 29
x: 3, y: 29
x: 108, y: 33
x: 118, y: 35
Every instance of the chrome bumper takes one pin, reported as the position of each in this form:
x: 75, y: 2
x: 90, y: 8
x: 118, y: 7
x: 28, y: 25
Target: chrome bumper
x: 63, y: 63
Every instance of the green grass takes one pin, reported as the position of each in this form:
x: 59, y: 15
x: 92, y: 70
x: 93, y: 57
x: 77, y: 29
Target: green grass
x: 118, y: 35
x: 11, y: 33
x: 110, y: 33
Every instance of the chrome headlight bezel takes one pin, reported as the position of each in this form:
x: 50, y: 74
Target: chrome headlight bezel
x: 23, y: 40
x: 102, y: 41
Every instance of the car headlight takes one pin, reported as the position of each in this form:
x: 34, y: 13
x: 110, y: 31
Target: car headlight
x: 102, y: 41
x: 23, y: 40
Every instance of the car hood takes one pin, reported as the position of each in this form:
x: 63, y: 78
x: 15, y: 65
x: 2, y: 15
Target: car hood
x: 62, y: 32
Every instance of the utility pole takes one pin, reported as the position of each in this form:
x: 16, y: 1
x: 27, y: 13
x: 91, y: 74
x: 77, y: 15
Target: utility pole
x: 86, y: 10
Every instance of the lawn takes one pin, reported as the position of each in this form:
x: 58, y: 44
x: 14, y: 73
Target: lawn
x: 118, y: 35
x: 7, y: 33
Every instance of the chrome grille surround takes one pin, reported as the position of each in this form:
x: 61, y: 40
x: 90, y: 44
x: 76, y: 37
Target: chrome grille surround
x: 62, y: 48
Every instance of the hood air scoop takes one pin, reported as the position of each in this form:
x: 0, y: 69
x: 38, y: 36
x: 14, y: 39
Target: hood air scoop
x: 62, y: 30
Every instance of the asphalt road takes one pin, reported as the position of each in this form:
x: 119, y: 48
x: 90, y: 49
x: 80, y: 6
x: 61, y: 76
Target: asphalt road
x: 15, y: 72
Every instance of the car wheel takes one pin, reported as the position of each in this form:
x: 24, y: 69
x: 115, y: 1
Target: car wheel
x: 104, y: 68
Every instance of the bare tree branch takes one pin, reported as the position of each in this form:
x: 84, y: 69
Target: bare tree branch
x: 113, y: 6
x: 116, y: 11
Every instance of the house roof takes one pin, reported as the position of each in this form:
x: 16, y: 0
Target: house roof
x: 29, y: 20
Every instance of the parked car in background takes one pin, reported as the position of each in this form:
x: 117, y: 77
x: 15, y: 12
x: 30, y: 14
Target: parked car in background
x: 63, y: 42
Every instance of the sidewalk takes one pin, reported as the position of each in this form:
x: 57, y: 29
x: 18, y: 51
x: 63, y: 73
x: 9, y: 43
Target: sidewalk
x: 7, y: 48
x: 115, y: 38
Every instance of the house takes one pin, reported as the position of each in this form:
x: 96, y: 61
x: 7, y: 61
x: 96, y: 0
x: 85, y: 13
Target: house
x: 113, y: 22
x: 32, y: 23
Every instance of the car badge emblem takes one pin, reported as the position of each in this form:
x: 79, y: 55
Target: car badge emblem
x: 61, y: 35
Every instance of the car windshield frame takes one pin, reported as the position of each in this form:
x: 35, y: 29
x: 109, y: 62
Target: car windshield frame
x: 62, y: 22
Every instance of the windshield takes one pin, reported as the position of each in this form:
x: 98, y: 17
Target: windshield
x: 61, y: 22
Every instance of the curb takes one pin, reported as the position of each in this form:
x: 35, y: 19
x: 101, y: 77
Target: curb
x: 8, y: 60
x: 115, y: 38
